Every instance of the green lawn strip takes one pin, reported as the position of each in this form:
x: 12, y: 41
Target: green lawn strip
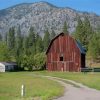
x: 91, y: 80
x: 35, y: 87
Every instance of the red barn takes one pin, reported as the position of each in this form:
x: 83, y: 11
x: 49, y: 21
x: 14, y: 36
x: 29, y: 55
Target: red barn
x: 65, y: 54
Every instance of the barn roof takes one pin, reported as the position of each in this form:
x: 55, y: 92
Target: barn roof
x: 52, y: 41
x: 82, y: 50
x: 79, y: 45
x: 8, y: 63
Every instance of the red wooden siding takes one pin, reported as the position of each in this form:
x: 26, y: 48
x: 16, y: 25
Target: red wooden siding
x: 63, y: 47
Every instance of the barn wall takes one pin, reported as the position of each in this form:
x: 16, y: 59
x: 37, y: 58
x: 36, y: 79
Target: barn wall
x: 64, y: 46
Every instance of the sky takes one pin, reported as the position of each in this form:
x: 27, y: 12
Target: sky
x: 92, y: 6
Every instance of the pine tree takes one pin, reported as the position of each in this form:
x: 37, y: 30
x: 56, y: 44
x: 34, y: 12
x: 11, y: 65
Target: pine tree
x: 11, y: 38
x: 32, y: 41
x: 65, y: 28
x: 0, y: 37
x: 46, y: 39
x: 5, y: 38
x: 94, y: 47
x: 84, y: 32
x: 52, y: 35
x: 31, y: 37
x: 19, y: 42
x: 39, y: 44
x: 26, y: 45
x: 88, y: 31
x: 11, y: 43
x: 79, y: 33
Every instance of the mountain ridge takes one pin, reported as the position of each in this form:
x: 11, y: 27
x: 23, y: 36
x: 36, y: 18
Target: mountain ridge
x: 43, y: 15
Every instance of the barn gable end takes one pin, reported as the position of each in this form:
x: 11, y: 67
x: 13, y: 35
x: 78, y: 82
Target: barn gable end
x: 65, y: 54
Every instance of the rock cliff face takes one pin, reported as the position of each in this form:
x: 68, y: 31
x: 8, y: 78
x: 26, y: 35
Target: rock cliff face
x: 42, y: 15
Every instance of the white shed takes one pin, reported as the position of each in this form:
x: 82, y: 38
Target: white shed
x: 7, y: 66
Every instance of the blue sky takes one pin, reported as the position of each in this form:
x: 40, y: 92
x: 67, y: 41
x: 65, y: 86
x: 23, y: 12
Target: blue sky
x: 81, y: 5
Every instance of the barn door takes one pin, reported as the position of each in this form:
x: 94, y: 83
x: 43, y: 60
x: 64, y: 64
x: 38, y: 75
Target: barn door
x: 82, y: 60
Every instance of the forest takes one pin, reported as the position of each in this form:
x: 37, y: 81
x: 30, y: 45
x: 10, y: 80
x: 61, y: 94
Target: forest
x: 29, y: 50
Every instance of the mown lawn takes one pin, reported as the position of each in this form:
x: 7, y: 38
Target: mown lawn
x: 89, y: 79
x: 36, y: 87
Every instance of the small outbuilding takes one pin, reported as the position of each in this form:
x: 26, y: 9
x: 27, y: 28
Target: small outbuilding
x: 7, y: 66
x: 65, y: 54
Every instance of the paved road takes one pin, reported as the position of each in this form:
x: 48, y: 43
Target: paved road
x: 76, y: 93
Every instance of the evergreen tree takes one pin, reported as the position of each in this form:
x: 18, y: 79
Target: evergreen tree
x: 11, y: 43
x: 46, y: 40
x: 5, y: 38
x: 0, y: 37
x: 39, y: 44
x: 11, y: 38
x: 31, y: 37
x: 88, y: 31
x: 65, y: 28
x: 94, y: 47
x: 53, y: 34
x: 32, y: 41
x: 26, y: 45
x: 84, y: 32
x: 79, y: 33
x: 19, y: 42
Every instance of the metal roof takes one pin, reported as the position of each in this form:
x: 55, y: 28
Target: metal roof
x: 8, y: 63
x: 82, y: 50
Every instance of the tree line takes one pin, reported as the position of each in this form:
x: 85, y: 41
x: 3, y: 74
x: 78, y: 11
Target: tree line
x: 89, y: 38
x: 29, y: 50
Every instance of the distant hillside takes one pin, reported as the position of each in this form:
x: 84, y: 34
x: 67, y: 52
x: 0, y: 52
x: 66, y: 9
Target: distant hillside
x: 41, y: 15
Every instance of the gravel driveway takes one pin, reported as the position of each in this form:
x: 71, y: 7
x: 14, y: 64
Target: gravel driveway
x: 76, y: 91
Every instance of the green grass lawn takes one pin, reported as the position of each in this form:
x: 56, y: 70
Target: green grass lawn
x: 89, y: 79
x: 36, y: 87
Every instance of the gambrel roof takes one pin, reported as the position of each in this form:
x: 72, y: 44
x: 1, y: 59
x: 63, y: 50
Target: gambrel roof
x: 79, y: 45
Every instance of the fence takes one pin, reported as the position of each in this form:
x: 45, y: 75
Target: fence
x: 90, y: 69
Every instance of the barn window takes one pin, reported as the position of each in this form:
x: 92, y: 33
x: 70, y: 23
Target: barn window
x: 61, y: 58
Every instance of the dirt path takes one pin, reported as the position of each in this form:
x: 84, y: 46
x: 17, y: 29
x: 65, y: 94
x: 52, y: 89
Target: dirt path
x: 76, y: 91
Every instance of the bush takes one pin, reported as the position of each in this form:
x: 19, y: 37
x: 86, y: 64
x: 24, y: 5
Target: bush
x: 39, y: 61
x: 27, y: 62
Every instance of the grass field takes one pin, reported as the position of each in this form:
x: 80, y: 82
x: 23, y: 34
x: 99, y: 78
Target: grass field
x: 36, y: 87
x: 89, y: 79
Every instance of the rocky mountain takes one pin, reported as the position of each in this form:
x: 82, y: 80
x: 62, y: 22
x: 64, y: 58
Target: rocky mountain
x: 42, y: 15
